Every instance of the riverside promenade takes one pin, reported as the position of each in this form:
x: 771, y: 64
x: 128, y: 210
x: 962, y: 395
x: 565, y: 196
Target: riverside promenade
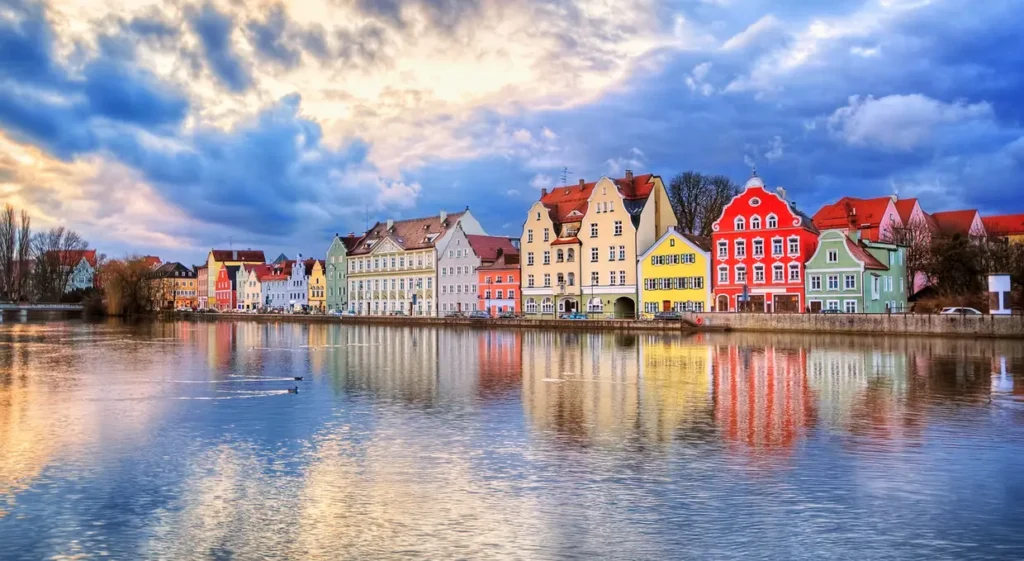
x: 931, y: 325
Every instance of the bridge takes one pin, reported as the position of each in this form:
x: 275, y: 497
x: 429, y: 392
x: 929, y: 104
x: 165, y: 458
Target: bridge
x: 25, y: 307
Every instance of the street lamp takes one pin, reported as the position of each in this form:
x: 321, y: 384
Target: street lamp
x: 561, y: 290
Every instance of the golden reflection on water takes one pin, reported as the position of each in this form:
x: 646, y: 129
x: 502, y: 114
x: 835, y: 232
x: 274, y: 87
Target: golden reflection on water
x: 387, y: 486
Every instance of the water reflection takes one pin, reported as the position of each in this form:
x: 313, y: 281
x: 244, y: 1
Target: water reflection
x: 177, y: 441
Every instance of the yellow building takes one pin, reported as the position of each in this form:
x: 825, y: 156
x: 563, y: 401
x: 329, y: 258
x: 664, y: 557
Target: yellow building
x: 317, y: 285
x: 175, y: 287
x: 1009, y: 227
x: 580, y: 244
x: 675, y: 274
x: 219, y: 258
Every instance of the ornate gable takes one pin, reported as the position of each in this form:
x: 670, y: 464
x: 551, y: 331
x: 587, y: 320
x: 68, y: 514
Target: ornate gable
x: 386, y: 245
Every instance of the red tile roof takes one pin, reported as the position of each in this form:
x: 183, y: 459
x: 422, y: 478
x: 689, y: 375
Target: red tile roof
x: 415, y: 233
x: 1004, y: 225
x: 246, y: 255
x: 955, y: 221
x: 849, y: 212
x: 487, y: 248
x: 703, y: 243
x: 152, y: 260
x: 350, y: 241
x: 510, y: 261
x: 561, y: 201
x: 566, y: 241
x: 904, y: 207
x: 862, y: 255
x: 74, y: 257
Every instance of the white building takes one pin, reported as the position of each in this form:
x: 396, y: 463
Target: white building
x: 298, y: 284
x: 274, y: 285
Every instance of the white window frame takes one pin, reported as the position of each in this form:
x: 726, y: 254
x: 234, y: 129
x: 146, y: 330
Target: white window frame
x: 739, y: 224
x: 772, y: 221
x: 778, y: 268
x: 846, y: 306
x: 828, y: 283
x: 816, y: 280
x: 846, y: 282
x: 723, y: 249
x: 723, y: 274
x: 759, y: 272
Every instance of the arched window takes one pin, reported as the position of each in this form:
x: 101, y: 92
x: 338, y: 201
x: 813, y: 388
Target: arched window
x: 572, y: 279
x: 531, y: 306
x: 740, y: 223
x: 559, y: 256
x: 595, y: 305
x: 547, y: 306
x: 572, y: 255
x: 755, y: 223
x: 773, y: 222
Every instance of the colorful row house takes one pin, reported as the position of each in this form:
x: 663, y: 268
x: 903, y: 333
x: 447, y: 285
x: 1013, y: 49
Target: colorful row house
x: 218, y: 259
x: 336, y: 271
x: 175, y: 287
x: 459, y: 262
x: 580, y: 245
x: 675, y: 274
x: 852, y: 275
x: 761, y: 242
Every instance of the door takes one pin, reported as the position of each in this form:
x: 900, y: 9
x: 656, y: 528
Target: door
x: 815, y: 307
x: 723, y: 304
x: 666, y: 305
x: 787, y: 303
x: 755, y: 304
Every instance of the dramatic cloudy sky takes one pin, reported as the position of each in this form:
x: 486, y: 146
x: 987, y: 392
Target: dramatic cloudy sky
x: 171, y: 126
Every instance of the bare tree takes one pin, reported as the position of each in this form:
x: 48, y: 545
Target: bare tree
x: 698, y: 200
x: 8, y: 243
x: 24, y: 256
x: 57, y: 252
x: 916, y: 236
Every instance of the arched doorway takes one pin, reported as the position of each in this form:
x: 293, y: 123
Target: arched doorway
x: 625, y: 308
x: 571, y: 306
x: 723, y: 304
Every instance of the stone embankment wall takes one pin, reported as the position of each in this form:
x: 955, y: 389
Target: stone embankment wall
x: 875, y: 324
x: 1010, y: 327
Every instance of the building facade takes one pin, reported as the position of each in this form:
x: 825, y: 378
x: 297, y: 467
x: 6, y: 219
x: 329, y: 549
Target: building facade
x: 853, y: 276
x: 274, y: 285
x: 175, y: 287
x: 580, y: 244
x: 675, y: 274
x: 317, y: 285
x: 458, y: 264
x: 225, y: 288
x: 875, y: 220
x: 1008, y: 227
x: 202, y: 287
x: 219, y: 258
x: 498, y: 285
x: 298, y: 285
x: 250, y: 288
x: 393, y: 268
x: 336, y: 271
x: 760, y: 244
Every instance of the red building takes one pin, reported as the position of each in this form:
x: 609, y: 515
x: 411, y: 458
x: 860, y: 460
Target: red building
x: 760, y: 244
x: 227, y: 296
x: 498, y: 281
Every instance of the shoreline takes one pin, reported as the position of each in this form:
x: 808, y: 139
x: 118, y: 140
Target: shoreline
x: 906, y: 325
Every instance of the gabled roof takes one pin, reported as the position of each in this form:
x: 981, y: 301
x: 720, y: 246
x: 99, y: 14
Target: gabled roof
x: 904, y: 207
x: 75, y: 257
x: 955, y: 221
x: 247, y: 255
x: 504, y: 261
x: 487, y: 248
x: 862, y: 255
x: 1004, y: 225
x: 850, y: 212
x: 259, y: 268
x: 565, y: 202
x: 415, y: 233
x: 152, y: 260
x: 309, y: 263
x: 701, y: 243
x: 350, y: 241
x: 169, y: 270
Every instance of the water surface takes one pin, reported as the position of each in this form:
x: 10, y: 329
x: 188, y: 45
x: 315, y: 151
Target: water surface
x: 181, y: 441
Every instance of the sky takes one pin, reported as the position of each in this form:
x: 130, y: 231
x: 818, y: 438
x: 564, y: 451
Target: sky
x: 171, y: 127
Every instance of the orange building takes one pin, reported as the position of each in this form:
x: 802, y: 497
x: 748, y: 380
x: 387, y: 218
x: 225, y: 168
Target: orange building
x: 498, y: 284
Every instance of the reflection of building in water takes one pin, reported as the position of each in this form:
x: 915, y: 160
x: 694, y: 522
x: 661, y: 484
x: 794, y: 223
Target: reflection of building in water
x: 762, y: 398
x: 501, y: 362
x: 842, y: 378
x: 581, y: 385
x: 675, y: 383
x: 458, y: 362
x: 400, y: 363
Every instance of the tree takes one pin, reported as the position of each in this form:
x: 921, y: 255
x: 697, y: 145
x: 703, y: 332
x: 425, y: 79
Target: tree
x: 8, y: 245
x: 956, y: 262
x: 698, y: 200
x: 57, y: 252
x: 24, y: 253
x: 916, y: 236
x: 129, y: 286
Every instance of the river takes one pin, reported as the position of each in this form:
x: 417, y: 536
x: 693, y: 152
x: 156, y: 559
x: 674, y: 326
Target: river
x: 181, y: 441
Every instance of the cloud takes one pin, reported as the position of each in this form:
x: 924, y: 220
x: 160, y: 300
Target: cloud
x: 634, y: 161
x: 214, y: 30
x: 776, y: 149
x: 268, y: 38
x: 695, y: 81
x: 542, y: 181
x: 766, y: 26
x: 899, y: 122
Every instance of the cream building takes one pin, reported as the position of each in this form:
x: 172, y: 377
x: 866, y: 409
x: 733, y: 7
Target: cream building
x: 580, y: 245
x: 393, y: 267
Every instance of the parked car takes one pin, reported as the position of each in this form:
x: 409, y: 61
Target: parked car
x: 508, y: 315
x: 573, y: 315
x: 349, y: 313
x: 479, y: 315
x: 397, y: 313
x: 670, y: 315
x: 455, y: 315
x: 960, y: 311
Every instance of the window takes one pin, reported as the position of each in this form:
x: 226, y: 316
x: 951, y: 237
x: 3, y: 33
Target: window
x: 547, y: 257
x: 547, y: 234
x: 622, y: 253
x: 740, y: 223
x: 548, y: 306
x: 833, y: 282
x: 833, y: 305
x: 833, y: 256
x: 593, y: 230
x: 595, y: 278
x: 773, y: 222
x: 529, y: 281
x: 723, y: 274
x: 593, y: 255
x: 888, y: 284
x: 777, y: 272
x: 723, y: 249
x: 511, y: 294
x: 547, y: 279
x: 741, y: 274
x: 537, y: 216
x: 794, y: 245
x: 622, y: 278
x: 901, y: 285
x: 777, y: 246
x: 611, y: 253
x: 611, y: 278
x: 794, y: 272
x: 758, y: 273
x: 755, y: 223
x: 850, y: 282
x: 559, y: 256
x: 572, y: 279
x: 618, y: 227
x: 560, y: 279
x: 487, y: 295
x: 741, y: 249
x: 572, y: 257
x: 595, y: 305
x: 487, y: 280
x: 531, y: 306
x: 529, y: 236
x: 529, y: 258
x: 758, y: 250
x: 850, y: 306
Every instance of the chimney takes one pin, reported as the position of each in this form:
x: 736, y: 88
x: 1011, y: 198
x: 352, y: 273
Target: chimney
x: 351, y: 234
x: 583, y: 183
x: 391, y: 224
x: 629, y: 177
x: 894, y: 197
x: 444, y: 216
x: 543, y: 191
x: 781, y: 192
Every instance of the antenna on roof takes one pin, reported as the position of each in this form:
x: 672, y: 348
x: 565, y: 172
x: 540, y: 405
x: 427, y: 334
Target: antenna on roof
x: 565, y: 175
x: 231, y: 242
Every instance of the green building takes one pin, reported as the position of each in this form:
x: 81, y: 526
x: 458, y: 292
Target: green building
x: 850, y: 275
x: 336, y: 271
